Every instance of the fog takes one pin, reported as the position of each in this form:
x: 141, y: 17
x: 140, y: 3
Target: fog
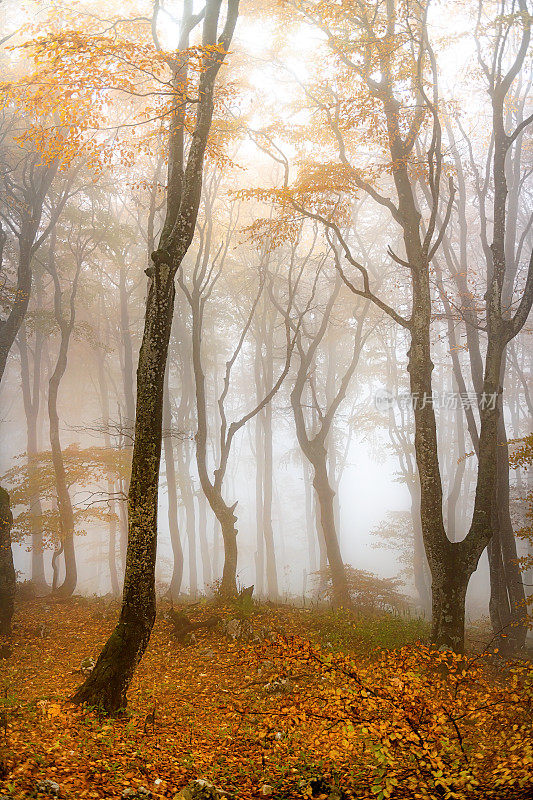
x: 270, y: 319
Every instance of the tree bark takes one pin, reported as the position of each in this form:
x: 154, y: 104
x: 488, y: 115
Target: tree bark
x: 310, y: 517
x: 207, y: 577
x: 107, y: 684
x: 7, y: 570
x: 448, y: 605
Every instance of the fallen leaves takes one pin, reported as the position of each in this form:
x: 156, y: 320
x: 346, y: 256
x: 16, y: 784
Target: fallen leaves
x: 380, y: 725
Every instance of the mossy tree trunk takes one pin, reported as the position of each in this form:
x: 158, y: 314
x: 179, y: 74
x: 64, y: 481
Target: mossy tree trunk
x: 108, y: 683
x: 451, y: 563
x: 7, y: 570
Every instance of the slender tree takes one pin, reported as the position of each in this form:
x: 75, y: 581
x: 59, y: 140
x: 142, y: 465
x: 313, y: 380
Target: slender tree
x: 378, y: 66
x: 108, y: 683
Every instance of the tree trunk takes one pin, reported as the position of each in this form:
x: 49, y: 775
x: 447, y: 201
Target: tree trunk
x: 450, y: 583
x: 112, y: 544
x: 7, y: 570
x: 419, y: 556
x: 10, y: 327
x: 325, y: 496
x: 259, y: 537
x: 187, y: 498
x: 455, y: 489
x: 123, y: 523
x: 212, y: 490
x: 107, y: 685
x: 127, y: 366
x: 259, y: 478
x: 66, y: 514
x: 204, y: 546
x: 172, y: 496
x: 310, y: 517
x: 216, y: 549
x: 505, y: 569
x: 228, y: 520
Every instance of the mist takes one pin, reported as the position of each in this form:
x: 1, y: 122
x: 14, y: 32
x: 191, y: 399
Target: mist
x: 266, y: 315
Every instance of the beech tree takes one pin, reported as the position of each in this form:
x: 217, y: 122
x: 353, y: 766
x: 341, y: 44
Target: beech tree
x: 198, y: 288
x: 373, y: 47
x: 30, y: 206
x: 108, y: 682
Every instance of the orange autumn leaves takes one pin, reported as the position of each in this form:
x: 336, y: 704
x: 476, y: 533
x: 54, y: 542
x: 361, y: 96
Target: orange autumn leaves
x: 104, y: 92
x: 411, y: 723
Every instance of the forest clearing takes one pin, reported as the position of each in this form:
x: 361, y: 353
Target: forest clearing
x: 272, y: 702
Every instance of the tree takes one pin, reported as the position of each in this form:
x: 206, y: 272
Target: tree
x: 198, y: 288
x: 26, y: 188
x: 170, y: 468
x: 314, y: 442
x: 81, y: 244
x: 383, y: 49
x: 31, y: 395
x: 108, y: 682
x: 7, y: 570
x: 26, y: 192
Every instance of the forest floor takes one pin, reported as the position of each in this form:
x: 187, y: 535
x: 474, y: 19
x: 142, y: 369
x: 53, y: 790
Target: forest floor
x: 301, y: 703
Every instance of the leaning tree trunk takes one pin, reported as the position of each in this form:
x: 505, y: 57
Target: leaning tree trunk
x: 7, y: 570
x: 107, y: 685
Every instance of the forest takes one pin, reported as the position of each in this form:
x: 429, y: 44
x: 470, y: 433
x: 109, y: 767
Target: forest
x: 266, y: 472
